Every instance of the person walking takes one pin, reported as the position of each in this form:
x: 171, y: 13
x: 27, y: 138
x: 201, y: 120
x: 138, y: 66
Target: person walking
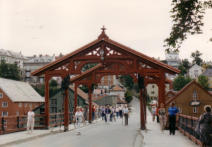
x: 162, y: 116
x: 107, y: 113
x: 120, y: 112
x: 79, y: 119
x: 126, y: 114
x: 153, y: 113
x: 117, y: 112
x: 30, y: 121
x: 204, y: 127
x: 172, y: 118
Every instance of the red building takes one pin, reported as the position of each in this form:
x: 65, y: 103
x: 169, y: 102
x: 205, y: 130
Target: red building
x: 16, y: 98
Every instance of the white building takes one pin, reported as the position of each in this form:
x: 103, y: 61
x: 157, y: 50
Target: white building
x: 12, y: 57
x: 34, y: 63
x: 172, y: 58
x: 195, y: 71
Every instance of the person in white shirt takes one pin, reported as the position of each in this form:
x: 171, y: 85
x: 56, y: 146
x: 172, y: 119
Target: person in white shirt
x: 30, y: 121
x: 126, y: 113
x: 78, y: 117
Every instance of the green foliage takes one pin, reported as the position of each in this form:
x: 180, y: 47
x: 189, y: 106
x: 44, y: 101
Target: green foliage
x: 184, y: 67
x: 187, y: 16
x: 180, y: 81
x: 9, y: 71
x: 84, y: 88
x: 196, y: 58
x: 127, y: 81
x: 53, y: 83
x: 65, y: 83
x: 88, y: 66
x: 203, y: 81
x: 140, y: 82
x: 128, y: 96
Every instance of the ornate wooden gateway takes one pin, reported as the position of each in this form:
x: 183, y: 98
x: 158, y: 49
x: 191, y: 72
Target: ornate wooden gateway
x: 111, y: 58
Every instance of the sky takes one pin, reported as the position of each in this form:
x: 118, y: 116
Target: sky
x: 62, y: 26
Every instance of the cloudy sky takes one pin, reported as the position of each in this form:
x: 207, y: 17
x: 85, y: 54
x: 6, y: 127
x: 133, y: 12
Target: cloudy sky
x: 54, y: 26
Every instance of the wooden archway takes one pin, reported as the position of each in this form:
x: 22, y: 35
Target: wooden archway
x: 112, y: 58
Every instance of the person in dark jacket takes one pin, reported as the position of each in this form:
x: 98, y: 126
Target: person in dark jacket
x: 204, y: 127
x: 172, y: 118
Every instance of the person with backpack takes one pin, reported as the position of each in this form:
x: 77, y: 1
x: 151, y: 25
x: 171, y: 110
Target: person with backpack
x: 204, y: 127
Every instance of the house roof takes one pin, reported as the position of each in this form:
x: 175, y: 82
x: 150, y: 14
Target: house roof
x: 184, y: 89
x: 80, y: 92
x: 103, y: 37
x: 117, y: 88
x: 19, y: 91
x: 208, y: 72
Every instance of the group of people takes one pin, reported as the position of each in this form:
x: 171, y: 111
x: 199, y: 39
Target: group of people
x: 203, y: 128
x: 109, y: 113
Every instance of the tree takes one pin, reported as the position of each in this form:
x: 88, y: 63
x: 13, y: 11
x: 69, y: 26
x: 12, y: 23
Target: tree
x: 203, y: 81
x: 127, y: 81
x: 180, y: 81
x: 128, y: 96
x: 196, y: 58
x: 9, y: 71
x: 184, y: 67
x: 187, y: 16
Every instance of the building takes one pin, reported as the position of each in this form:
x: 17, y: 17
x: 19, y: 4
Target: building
x: 208, y: 74
x: 12, y: 57
x: 195, y: 71
x: 34, y: 63
x: 119, y: 91
x: 172, y: 58
x: 191, y: 99
x: 16, y: 99
x: 107, y: 81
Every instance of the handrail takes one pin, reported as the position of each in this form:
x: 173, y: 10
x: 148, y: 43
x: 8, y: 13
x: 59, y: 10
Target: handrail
x: 186, y: 125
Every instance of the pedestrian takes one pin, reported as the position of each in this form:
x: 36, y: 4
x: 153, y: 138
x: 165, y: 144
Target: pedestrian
x: 162, y: 116
x: 93, y: 112
x: 30, y: 120
x: 120, y: 112
x: 204, y: 127
x: 79, y: 119
x: 117, y: 112
x: 153, y: 113
x: 107, y: 113
x: 172, y: 118
x: 126, y: 114
x: 103, y: 112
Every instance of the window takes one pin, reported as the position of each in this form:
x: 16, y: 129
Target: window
x: 1, y: 95
x: 4, y: 113
x: 20, y: 105
x: 153, y: 92
x: 195, y: 95
x: 195, y: 110
x: 25, y: 105
x: 153, y: 86
x: 30, y: 105
x: 4, y: 104
x: 17, y: 113
x: 195, y: 73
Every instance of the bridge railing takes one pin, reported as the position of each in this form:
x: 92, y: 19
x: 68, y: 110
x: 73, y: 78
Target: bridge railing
x: 10, y: 124
x: 186, y: 125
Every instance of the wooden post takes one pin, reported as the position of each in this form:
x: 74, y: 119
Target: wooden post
x: 75, y: 97
x: 66, y: 111
x: 142, y: 119
x: 90, y: 103
x: 161, y: 87
x: 47, y: 101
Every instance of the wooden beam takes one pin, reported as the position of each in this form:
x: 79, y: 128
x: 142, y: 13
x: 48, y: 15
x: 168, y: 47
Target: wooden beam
x: 47, y: 100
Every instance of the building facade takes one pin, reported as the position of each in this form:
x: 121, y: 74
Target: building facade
x: 208, y: 74
x: 34, y: 63
x: 191, y: 99
x: 195, y: 71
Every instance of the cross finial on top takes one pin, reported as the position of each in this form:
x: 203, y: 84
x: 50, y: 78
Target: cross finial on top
x: 103, y: 35
x: 103, y: 28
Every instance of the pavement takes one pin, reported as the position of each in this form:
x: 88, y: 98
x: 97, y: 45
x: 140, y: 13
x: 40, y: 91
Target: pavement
x: 154, y: 137
x: 101, y: 134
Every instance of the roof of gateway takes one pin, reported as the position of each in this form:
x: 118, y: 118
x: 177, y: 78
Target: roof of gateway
x: 19, y: 91
x: 103, y: 37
